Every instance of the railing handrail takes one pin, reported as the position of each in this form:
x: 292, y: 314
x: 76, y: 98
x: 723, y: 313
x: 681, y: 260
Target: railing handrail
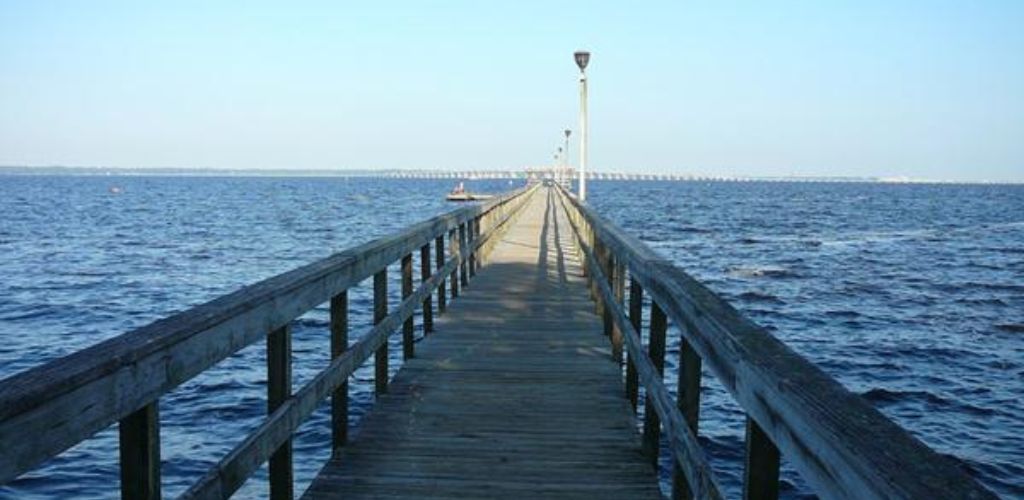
x: 839, y: 443
x: 67, y: 400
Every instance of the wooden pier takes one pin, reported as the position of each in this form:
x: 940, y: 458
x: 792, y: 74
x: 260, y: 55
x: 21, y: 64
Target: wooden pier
x: 515, y: 395
x: 525, y: 385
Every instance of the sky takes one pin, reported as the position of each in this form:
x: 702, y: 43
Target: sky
x: 922, y: 89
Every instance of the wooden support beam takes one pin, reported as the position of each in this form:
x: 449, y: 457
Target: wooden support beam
x: 636, y: 304
x: 470, y: 238
x: 380, y: 311
x: 656, y: 350
x: 339, y: 344
x: 453, y: 249
x: 139, y: 443
x: 442, y: 298
x: 279, y: 388
x: 428, y: 303
x: 463, y: 275
x: 688, y: 401
x: 761, y: 474
x: 408, y: 329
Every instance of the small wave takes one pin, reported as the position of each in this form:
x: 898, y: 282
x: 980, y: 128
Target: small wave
x: 760, y: 272
x: 1011, y: 327
x: 753, y: 296
x: 692, y: 229
x: 882, y: 396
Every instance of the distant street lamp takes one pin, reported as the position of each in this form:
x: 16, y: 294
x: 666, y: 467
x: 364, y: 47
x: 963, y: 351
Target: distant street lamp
x: 565, y: 158
x: 582, y: 58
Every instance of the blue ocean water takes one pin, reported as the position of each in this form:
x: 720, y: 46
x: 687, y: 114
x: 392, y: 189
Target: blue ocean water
x: 911, y: 295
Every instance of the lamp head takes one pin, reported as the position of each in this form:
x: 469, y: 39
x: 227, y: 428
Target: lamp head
x: 582, y: 58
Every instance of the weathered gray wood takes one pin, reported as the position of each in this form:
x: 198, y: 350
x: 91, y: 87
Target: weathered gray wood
x: 380, y: 311
x: 428, y: 303
x: 279, y: 389
x: 636, y: 304
x: 247, y: 456
x: 139, y: 445
x: 656, y: 351
x: 442, y: 298
x: 339, y: 344
x: 69, y: 399
x: 688, y: 401
x: 408, y: 347
x: 463, y: 276
x: 687, y: 453
x: 761, y: 471
x: 512, y: 397
x: 470, y: 236
x: 841, y: 445
x: 454, y: 249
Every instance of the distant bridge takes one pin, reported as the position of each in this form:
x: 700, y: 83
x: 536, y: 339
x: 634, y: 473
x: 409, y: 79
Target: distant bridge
x: 550, y: 173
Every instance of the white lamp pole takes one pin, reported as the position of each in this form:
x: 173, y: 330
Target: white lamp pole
x: 565, y: 158
x: 582, y: 58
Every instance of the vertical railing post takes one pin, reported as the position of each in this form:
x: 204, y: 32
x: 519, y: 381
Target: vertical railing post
x: 619, y: 287
x: 636, y: 303
x: 614, y: 267
x: 139, y: 443
x: 339, y: 344
x: 453, y: 250
x: 442, y: 298
x: 428, y: 302
x: 761, y: 475
x: 279, y: 388
x: 380, y: 311
x: 407, y: 327
x: 656, y: 351
x: 470, y: 239
x: 463, y: 250
x: 476, y: 236
x: 688, y: 401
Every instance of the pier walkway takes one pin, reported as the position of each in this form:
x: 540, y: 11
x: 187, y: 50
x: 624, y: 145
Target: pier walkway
x: 515, y: 395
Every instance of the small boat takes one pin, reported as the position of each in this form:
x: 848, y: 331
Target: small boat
x: 460, y: 194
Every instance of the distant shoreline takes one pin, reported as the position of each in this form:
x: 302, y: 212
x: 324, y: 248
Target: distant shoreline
x: 450, y: 174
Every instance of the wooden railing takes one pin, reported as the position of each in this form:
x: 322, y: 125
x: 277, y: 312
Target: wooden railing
x: 46, y: 410
x: 837, y: 442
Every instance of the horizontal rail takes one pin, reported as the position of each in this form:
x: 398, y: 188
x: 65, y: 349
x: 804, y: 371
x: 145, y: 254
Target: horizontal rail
x: 686, y: 451
x: 67, y: 400
x: 248, y: 455
x: 838, y: 442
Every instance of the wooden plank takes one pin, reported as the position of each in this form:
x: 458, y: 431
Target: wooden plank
x: 761, y: 470
x: 442, y: 298
x: 67, y: 400
x: 656, y: 351
x: 492, y: 407
x: 380, y: 311
x: 453, y: 249
x: 688, y: 401
x: 408, y: 347
x: 463, y: 257
x: 636, y: 303
x: 247, y: 456
x: 838, y: 442
x: 428, y: 303
x: 279, y: 389
x: 139, y: 446
x: 687, y: 453
x: 339, y: 344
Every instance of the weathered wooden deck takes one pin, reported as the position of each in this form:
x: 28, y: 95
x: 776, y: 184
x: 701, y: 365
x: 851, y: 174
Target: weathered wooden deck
x: 514, y: 395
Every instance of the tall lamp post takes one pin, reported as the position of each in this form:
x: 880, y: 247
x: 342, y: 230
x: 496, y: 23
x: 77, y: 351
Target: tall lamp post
x: 582, y: 58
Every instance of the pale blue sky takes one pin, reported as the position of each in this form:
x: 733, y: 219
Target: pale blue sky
x: 927, y: 89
